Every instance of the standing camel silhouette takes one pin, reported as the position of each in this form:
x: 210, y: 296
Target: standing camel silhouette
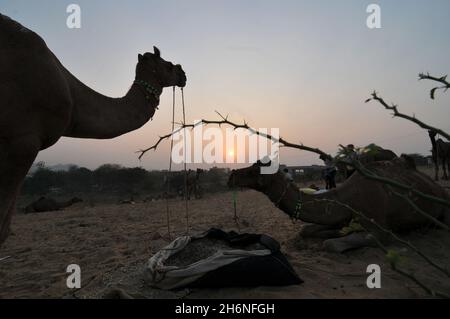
x: 40, y: 101
x: 440, y: 152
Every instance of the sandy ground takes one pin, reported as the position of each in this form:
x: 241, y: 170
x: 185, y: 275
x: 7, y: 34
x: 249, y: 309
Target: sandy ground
x: 111, y: 243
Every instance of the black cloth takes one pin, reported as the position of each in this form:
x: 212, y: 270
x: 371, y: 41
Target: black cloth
x: 270, y: 270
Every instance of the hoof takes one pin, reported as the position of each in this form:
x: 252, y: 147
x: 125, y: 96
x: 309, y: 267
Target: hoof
x: 352, y: 241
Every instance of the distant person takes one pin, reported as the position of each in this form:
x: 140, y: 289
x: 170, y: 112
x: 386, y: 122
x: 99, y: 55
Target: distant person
x: 287, y: 175
x: 329, y: 173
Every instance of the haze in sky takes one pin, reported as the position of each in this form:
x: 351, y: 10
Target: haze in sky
x: 305, y: 67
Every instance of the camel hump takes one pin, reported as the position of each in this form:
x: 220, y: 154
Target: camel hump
x: 8, y: 24
x: 14, y: 35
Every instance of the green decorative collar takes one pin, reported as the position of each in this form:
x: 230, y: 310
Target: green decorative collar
x: 149, y: 89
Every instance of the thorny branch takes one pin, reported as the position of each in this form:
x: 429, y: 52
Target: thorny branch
x: 225, y: 121
x: 443, y: 80
x: 397, y: 113
x: 419, y: 210
x: 409, y: 188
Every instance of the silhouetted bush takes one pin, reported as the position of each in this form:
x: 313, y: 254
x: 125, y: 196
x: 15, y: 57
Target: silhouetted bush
x: 114, y: 179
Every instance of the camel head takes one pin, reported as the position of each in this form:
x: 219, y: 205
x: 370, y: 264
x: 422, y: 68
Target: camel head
x: 152, y: 68
x: 250, y: 177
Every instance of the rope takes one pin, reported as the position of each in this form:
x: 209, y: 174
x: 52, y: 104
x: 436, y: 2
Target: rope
x: 185, y: 166
x: 170, y: 165
x: 236, y: 217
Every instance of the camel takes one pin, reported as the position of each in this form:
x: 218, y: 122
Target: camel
x: 440, y: 151
x: 366, y: 196
x: 45, y: 204
x: 41, y: 101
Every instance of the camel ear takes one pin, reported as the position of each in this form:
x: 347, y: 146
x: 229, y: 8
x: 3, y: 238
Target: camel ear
x: 157, y: 52
x: 141, y: 58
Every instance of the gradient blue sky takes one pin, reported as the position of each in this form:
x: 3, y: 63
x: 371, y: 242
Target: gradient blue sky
x: 303, y: 66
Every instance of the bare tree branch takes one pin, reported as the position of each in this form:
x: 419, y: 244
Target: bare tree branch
x: 155, y: 146
x: 372, y: 176
x: 224, y: 121
x: 396, y: 113
x: 419, y: 210
x: 443, y: 80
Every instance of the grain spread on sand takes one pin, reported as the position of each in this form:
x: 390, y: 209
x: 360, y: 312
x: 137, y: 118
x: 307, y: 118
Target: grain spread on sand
x: 203, y: 248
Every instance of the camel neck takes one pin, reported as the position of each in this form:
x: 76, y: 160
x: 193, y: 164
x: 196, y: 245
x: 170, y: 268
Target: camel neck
x: 283, y: 194
x: 149, y: 89
x: 100, y: 117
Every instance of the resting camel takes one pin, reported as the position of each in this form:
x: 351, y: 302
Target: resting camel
x: 45, y: 204
x: 42, y: 101
x: 440, y: 151
x: 366, y: 196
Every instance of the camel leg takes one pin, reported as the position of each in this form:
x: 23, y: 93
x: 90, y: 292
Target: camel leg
x: 436, y: 170
x: 16, y: 158
x: 444, y: 169
x: 352, y: 241
x: 448, y: 165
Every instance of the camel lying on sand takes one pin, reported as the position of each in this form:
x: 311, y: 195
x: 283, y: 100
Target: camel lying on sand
x: 369, y: 197
x: 45, y: 204
x: 41, y: 101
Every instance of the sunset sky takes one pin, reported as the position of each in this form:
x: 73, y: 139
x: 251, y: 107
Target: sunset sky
x: 305, y: 67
